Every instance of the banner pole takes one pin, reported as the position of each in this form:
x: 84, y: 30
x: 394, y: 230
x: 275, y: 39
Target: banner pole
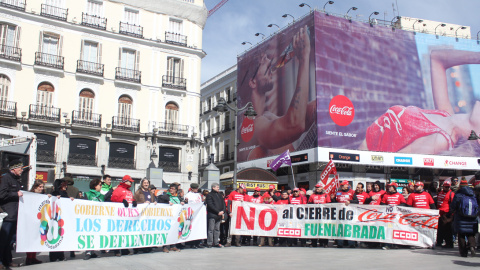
x: 294, y: 185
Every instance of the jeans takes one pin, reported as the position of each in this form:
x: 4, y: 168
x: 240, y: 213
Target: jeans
x: 213, y: 231
x: 7, y: 232
x: 462, y: 243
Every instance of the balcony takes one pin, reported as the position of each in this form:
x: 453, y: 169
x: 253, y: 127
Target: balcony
x: 174, y: 82
x: 131, y: 30
x: 216, y: 131
x: 207, y: 134
x: 82, y: 159
x: 87, y: 119
x: 121, y: 163
x: 125, y: 124
x: 46, y: 156
x: 49, y: 60
x: 170, y: 129
x: 207, y: 109
x: 10, y: 53
x: 169, y: 166
x: 13, y: 4
x: 8, y: 108
x: 90, y: 68
x: 176, y: 39
x: 94, y: 21
x: 44, y: 113
x: 227, y: 156
x: 226, y: 127
x: 54, y: 12
x: 129, y: 75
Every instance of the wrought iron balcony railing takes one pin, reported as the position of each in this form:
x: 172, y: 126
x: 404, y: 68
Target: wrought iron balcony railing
x: 46, y: 156
x: 54, y: 12
x: 44, y: 113
x: 169, y: 166
x: 126, y: 123
x: 174, y: 82
x: 49, y: 60
x: 86, y: 119
x: 82, y: 159
x: 8, y: 108
x: 226, y: 127
x: 11, y: 53
x: 14, y: 4
x: 170, y: 129
x: 131, y: 30
x: 174, y: 38
x: 129, y: 75
x: 90, y: 68
x: 94, y: 21
x: 121, y: 163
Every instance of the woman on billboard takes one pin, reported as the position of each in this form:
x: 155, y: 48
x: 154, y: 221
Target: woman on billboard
x: 415, y: 130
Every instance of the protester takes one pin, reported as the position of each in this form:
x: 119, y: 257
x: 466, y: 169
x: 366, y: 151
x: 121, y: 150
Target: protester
x: 215, y: 211
x: 225, y: 224
x: 193, y: 197
x: 171, y: 197
x: 266, y: 200
x: 275, y: 195
x: 433, y: 190
x: 295, y: 199
x: 60, y: 190
x: 362, y: 196
x: 144, y: 194
x: 345, y: 195
x: 238, y: 195
x: 284, y: 199
x: 464, y: 207
x: 392, y: 197
x: 319, y: 196
x: 375, y: 195
x: 455, y: 184
x: 256, y: 198
x: 444, y: 232
x: 95, y: 195
x: 106, y: 184
x: 38, y: 187
x: 123, y: 194
x: 405, y: 193
x: 420, y: 198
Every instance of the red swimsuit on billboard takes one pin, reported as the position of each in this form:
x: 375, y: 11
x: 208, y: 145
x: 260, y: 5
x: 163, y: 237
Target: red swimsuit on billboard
x: 400, y: 126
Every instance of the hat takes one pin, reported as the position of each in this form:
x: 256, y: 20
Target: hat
x: 296, y: 189
x: 319, y: 184
x: 463, y: 183
x: 194, y: 185
x: 447, y: 183
x: 257, y: 189
x: 304, y: 191
x: 392, y: 184
x: 271, y: 187
x: 344, y: 182
x: 127, y: 178
x: 14, y: 164
x: 266, y: 196
x: 152, y: 187
x: 242, y: 186
x: 410, y: 183
x: 418, y: 183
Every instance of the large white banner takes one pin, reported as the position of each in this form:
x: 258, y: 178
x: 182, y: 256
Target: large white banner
x: 365, y: 223
x: 51, y: 224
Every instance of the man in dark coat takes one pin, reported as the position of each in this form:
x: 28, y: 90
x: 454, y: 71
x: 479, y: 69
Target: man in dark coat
x: 9, y: 195
x: 215, y: 210
x: 464, y: 226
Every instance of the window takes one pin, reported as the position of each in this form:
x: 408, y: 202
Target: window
x: 174, y: 68
x: 45, y: 94
x: 176, y: 26
x: 95, y: 8
x: 171, y: 115
x: 131, y: 16
x: 129, y: 59
x: 54, y: 3
x: 228, y: 93
x: 85, y: 105
x: 124, y: 110
x: 50, y: 43
x: 9, y: 36
x: 4, y: 86
x: 91, y: 51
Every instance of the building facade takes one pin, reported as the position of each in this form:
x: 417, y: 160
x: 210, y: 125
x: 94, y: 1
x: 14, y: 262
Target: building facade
x: 108, y: 86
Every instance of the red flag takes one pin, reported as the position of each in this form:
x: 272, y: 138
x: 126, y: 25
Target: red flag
x: 330, y: 187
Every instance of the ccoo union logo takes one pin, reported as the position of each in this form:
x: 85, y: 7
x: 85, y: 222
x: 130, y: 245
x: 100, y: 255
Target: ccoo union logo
x: 341, y: 110
x: 51, y: 223
x: 185, y: 223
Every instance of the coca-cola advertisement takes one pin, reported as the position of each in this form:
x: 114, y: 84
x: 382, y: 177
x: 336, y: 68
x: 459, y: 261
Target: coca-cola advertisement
x: 278, y: 78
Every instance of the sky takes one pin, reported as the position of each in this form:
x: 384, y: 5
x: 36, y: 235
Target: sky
x: 238, y: 21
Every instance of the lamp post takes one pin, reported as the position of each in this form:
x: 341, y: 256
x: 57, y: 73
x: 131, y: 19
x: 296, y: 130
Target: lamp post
x: 442, y: 25
x: 272, y: 24
x: 352, y: 8
x: 420, y: 21
x: 221, y: 107
x: 327, y: 3
x: 370, y: 17
x: 286, y: 14
x: 245, y: 42
x: 461, y: 27
x: 304, y: 4
x: 392, y: 23
x: 258, y: 34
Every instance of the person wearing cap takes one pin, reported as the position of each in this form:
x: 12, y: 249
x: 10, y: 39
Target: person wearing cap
x: 465, y: 225
x: 444, y: 232
x: 319, y: 196
x: 72, y: 191
x: 256, y: 197
x: 375, y: 195
x: 192, y: 197
x: 345, y: 195
x: 392, y: 197
x: 297, y: 198
x: 238, y: 195
x: 362, y: 196
x: 420, y: 198
x: 10, y: 193
x: 267, y: 199
x: 122, y: 194
x: 272, y: 193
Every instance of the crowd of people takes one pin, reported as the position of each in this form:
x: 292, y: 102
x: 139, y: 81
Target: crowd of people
x: 456, y: 201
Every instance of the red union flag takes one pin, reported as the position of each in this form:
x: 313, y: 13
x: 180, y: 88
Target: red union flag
x: 331, y: 186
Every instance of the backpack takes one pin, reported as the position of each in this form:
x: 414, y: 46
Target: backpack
x: 468, y: 206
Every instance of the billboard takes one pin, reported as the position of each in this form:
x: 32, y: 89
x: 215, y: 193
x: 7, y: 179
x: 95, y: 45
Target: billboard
x: 392, y: 97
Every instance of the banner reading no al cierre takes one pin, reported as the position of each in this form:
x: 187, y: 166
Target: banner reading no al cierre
x: 364, y: 223
x: 51, y: 224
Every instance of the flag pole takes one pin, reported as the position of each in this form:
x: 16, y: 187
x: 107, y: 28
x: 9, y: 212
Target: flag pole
x: 294, y: 185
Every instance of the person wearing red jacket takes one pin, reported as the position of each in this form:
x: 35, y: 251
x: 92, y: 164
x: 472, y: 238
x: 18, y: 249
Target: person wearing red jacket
x: 123, y: 194
x: 345, y: 195
x: 362, y: 196
x: 392, y: 197
x: 444, y: 232
x: 420, y: 198
x: 319, y: 196
x: 375, y: 195
x: 256, y: 198
x: 297, y: 198
x: 238, y: 195
x: 284, y: 198
x: 266, y: 200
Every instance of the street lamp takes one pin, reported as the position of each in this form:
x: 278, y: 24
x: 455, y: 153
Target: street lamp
x: 352, y: 8
x: 327, y: 3
x: 393, y: 24
x: 473, y: 136
x: 221, y: 107
x: 245, y: 42
x: 420, y: 21
x: 303, y: 4
x: 286, y: 14
x: 442, y: 25
x: 461, y: 27
x: 258, y: 34
x: 272, y: 24
x: 369, y: 17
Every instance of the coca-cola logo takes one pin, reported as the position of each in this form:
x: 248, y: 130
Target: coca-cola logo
x: 374, y: 215
x: 341, y: 110
x: 419, y: 220
x: 247, y: 129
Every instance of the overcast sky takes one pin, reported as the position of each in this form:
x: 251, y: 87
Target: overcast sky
x: 238, y: 21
